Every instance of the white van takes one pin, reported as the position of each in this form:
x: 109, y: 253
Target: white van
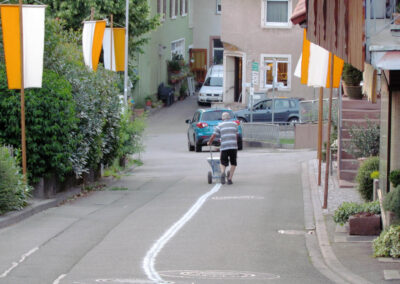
x: 212, y: 90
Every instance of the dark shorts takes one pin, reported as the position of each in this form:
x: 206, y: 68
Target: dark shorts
x: 229, y: 156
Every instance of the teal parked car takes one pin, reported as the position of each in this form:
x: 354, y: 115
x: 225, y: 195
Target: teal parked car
x: 201, y: 127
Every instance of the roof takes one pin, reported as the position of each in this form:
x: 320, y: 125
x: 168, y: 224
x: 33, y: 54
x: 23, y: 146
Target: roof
x: 300, y: 13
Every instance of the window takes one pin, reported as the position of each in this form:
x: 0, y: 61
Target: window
x: 219, y: 6
x: 281, y: 104
x: 161, y: 8
x: 276, y: 13
x: 277, y: 72
x: 184, y: 7
x: 218, y: 51
x: 178, y: 47
x: 173, y: 8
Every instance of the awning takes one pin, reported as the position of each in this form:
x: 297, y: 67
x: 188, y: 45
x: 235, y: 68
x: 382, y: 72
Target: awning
x: 300, y: 13
x: 389, y: 61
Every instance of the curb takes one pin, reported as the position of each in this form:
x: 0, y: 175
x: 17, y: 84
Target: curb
x: 342, y: 274
x: 36, y: 206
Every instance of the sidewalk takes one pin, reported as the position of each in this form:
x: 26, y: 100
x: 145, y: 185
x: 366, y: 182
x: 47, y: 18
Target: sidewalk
x: 346, y: 259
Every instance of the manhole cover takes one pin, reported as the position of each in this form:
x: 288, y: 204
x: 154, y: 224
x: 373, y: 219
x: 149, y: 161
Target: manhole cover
x: 214, y: 274
x: 241, y: 197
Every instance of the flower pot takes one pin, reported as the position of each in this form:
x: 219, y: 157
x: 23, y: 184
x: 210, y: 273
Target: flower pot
x: 353, y: 92
x: 365, y: 224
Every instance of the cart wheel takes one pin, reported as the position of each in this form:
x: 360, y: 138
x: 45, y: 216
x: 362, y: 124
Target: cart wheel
x: 209, y: 177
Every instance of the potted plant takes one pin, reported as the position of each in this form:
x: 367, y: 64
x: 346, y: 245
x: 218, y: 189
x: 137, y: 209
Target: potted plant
x: 363, y: 219
x: 352, y: 78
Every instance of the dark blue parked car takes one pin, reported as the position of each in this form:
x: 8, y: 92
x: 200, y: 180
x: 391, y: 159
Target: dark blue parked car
x: 286, y: 111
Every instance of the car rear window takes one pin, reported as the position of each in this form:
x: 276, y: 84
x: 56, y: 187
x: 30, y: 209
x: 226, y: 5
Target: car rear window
x: 215, y: 115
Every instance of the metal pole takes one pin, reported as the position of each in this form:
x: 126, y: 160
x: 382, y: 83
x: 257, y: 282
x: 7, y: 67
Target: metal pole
x: 111, y: 40
x: 320, y: 130
x: 126, y: 52
x: 23, y: 138
x: 328, y: 144
x: 273, y: 91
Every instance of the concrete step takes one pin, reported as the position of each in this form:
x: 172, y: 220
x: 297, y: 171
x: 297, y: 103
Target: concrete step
x: 360, y: 104
x: 348, y: 175
x: 346, y: 184
x: 349, y: 164
x: 346, y: 155
x: 360, y: 114
x: 362, y: 123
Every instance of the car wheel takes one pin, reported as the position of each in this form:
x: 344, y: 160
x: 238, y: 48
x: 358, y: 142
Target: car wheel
x: 190, y: 147
x: 197, y: 146
x: 293, y: 120
x: 240, y: 143
x: 209, y: 178
x: 242, y: 120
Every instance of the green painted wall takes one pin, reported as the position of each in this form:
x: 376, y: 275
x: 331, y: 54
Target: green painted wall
x: 152, y: 65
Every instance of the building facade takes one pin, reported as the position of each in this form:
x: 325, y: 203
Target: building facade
x: 207, y: 46
x: 173, y: 36
x: 261, y: 50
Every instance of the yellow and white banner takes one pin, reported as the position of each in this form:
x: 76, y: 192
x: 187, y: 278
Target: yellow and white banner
x: 114, y: 41
x: 33, y: 44
x: 315, y: 64
x: 92, y: 38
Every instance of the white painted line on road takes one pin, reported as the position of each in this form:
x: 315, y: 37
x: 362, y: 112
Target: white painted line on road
x: 150, y: 258
x: 57, y: 281
x: 15, y: 264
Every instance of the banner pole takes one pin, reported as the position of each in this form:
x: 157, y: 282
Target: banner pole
x: 320, y: 131
x: 111, y: 41
x: 126, y: 52
x: 328, y: 144
x: 23, y: 138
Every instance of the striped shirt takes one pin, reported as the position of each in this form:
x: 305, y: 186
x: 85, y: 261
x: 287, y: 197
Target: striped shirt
x: 227, y: 130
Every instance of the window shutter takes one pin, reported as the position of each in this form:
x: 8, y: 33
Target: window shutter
x: 186, y: 6
x: 176, y: 8
x: 164, y: 8
x: 181, y: 7
x: 170, y: 8
x: 159, y: 6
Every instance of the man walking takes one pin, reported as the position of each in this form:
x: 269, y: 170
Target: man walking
x: 228, y: 131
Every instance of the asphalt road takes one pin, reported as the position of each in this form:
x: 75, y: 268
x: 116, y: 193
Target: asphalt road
x: 171, y: 226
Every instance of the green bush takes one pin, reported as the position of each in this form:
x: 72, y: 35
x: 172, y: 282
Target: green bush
x: 392, y: 201
x: 130, y: 134
x: 363, y: 178
x: 351, y: 75
x: 394, y: 177
x: 347, y: 209
x: 375, y: 175
x: 50, y: 124
x: 13, y: 190
x: 364, y: 142
x: 388, y: 243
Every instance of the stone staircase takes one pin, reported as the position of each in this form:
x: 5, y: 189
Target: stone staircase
x: 354, y: 113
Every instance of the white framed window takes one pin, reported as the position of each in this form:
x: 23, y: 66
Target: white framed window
x: 219, y: 6
x: 276, y: 13
x: 184, y: 7
x: 218, y: 51
x: 178, y: 47
x: 162, y: 8
x: 173, y: 8
x: 276, y: 71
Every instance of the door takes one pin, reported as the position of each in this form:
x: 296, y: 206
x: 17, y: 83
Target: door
x: 198, y: 63
x: 238, y: 79
x: 262, y: 111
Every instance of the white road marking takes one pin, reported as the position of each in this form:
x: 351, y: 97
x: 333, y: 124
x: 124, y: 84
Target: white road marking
x: 57, y: 281
x: 150, y: 258
x: 15, y: 264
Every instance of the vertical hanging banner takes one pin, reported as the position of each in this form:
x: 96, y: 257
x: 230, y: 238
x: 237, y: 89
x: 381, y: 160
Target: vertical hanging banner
x: 314, y: 66
x: 92, y: 38
x: 114, y: 39
x: 33, y: 44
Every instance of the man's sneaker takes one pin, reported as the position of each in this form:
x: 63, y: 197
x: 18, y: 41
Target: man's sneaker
x: 230, y: 181
x: 223, y: 178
